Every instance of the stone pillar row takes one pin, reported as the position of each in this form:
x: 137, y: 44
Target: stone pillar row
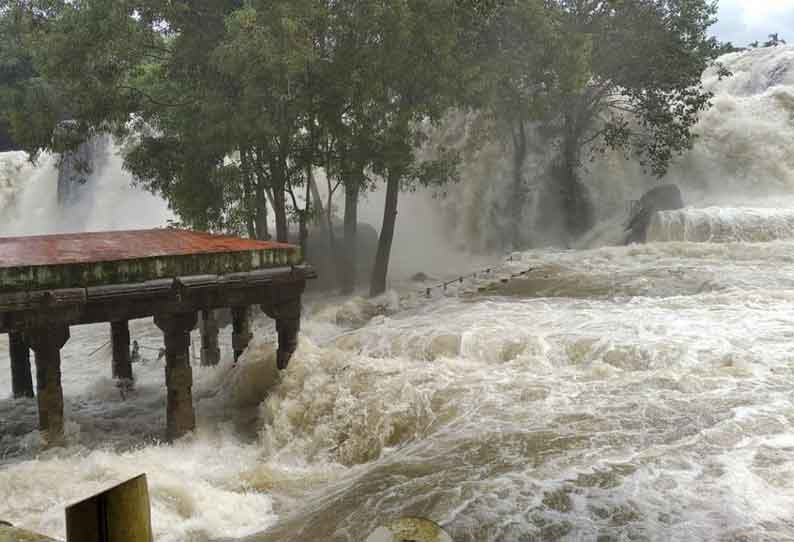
x: 47, y: 341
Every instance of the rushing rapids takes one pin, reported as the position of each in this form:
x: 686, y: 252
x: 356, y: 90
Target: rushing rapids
x: 722, y: 225
x: 611, y: 393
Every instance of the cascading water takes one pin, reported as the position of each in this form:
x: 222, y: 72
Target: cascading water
x: 722, y: 225
x: 32, y: 202
x: 743, y: 157
x: 615, y: 393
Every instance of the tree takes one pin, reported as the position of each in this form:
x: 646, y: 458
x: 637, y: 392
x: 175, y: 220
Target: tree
x: 418, y: 71
x: 774, y: 41
x: 626, y: 76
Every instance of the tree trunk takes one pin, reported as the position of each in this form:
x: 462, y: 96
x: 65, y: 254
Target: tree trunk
x: 381, y: 269
x: 282, y: 229
x: 247, y: 197
x: 317, y: 203
x: 304, y: 221
x: 278, y: 176
x: 261, y: 213
x: 519, y: 189
x: 348, y: 278
x: 577, y: 204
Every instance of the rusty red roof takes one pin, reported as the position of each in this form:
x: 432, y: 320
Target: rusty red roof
x: 97, y: 247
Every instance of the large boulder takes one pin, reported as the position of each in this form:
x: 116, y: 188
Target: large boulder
x: 320, y: 254
x: 665, y: 197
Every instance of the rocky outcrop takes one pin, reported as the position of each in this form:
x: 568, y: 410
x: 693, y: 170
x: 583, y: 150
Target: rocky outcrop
x: 665, y: 197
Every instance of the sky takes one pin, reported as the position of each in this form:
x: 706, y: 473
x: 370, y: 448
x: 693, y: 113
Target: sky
x: 743, y: 21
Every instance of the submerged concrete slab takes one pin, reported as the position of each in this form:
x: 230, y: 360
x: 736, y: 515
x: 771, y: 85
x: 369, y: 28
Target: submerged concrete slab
x: 123, y: 257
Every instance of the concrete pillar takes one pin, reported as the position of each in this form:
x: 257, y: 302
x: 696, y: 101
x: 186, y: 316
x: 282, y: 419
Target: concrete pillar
x: 21, y: 376
x: 210, y: 352
x: 288, y: 322
x: 122, y: 363
x: 241, y: 330
x: 46, y: 343
x: 180, y: 417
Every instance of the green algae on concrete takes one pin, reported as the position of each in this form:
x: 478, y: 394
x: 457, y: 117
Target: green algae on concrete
x: 11, y: 534
x: 81, y: 275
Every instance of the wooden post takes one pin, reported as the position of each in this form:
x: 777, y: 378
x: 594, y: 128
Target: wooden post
x: 288, y: 322
x: 241, y: 330
x: 46, y: 343
x: 21, y: 376
x: 118, y: 514
x: 180, y: 417
x: 122, y: 363
x: 210, y: 352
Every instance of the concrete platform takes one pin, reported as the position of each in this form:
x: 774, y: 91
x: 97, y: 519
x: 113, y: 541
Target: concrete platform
x: 49, y: 283
x: 122, y: 257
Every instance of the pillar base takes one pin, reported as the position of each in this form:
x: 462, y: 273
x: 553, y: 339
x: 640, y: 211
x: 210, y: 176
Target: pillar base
x: 241, y: 330
x: 210, y: 352
x: 288, y: 323
x: 21, y: 375
x: 122, y: 361
x: 180, y: 416
x: 46, y: 343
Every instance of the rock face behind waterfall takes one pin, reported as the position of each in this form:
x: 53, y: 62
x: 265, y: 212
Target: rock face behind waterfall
x: 320, y: 254
x: 666, y: 197
x: 75, y: 169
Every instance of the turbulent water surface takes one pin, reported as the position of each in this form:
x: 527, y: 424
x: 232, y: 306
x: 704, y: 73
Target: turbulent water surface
x: 627, y: 393
x: 612, y: 393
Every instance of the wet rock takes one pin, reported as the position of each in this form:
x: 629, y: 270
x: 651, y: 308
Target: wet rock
x: 420, y: 277
x: 665, y: 197
x: 358, y: 311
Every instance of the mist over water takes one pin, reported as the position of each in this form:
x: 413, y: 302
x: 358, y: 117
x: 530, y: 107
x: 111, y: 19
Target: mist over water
x: 743, y: 158
x: 105, y: 201
x: 610, y: 393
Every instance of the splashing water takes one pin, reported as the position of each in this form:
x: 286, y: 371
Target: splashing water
x: 613, y: 393
x: 107, y: 201
x: 722, y: 224
x: 743, y: 157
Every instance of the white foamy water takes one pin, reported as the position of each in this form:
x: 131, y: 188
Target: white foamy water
x: 722, y: 224
x: 630, y: 392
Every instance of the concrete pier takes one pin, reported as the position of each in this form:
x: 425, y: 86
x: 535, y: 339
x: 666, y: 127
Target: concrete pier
x: 21, y: 375
x: 180, y: 417
x: 287, y: 315
x: 210, y: 351
x: 241, y: 330
x: 122, y: 363
x: 49, y: 283
x: 46, y: 343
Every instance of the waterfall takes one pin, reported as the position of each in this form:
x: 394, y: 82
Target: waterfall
x: 45, y: 199
x: 742, y: 157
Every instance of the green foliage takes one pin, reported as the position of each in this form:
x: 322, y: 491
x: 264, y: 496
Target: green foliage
x: 227, y: 107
